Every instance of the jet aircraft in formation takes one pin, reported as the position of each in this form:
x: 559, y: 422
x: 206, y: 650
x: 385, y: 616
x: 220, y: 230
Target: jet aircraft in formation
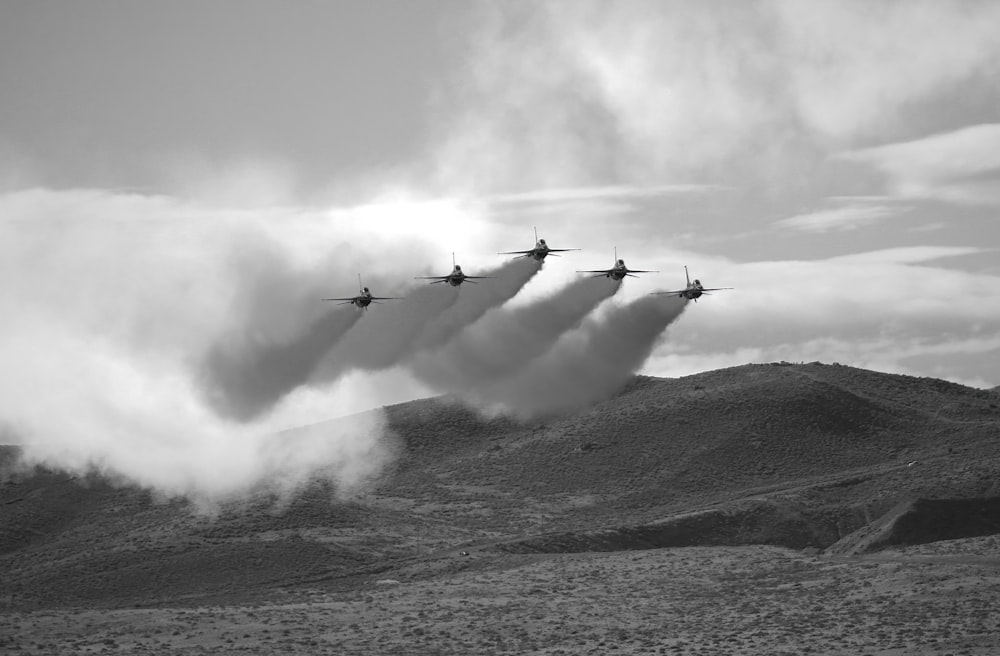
x: 540, y: 250
x: 363, y: 299
x: 455, y: 278
x: 618, y: 271
x: 693, y: 290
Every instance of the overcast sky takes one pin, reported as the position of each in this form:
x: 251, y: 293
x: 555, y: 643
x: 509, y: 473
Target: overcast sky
x: 173, y: 173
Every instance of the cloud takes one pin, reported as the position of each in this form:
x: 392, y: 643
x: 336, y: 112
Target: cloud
x: 788, y: 310
x: 962, y: 166
x: 595, y: 193
x: 861, y: 68
x: 642, y: 93
x: 840, y: 218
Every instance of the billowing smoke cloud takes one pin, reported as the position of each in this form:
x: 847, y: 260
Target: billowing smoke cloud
x: 507, y: 280
x: 246, y: 377
x: 80, y: 403
x: 136, y: 328
x: 587, y: 365
x: 428, y: 317
x: 505, y: 340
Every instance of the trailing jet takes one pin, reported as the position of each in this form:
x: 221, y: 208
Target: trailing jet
x: 540, y: 250
x: 693, y: 289
x: 363, y: 299
x: 618, y: 271
x: 455, y: 278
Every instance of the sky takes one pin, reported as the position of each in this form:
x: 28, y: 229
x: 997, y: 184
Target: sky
x: 181, y: 182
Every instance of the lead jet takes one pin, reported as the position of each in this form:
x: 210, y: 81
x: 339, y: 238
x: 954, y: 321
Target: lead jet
x: 693, y: 290
x: 618, y: 271
x: 363, y: 299
x: 540, y: 250
x: 455, y: 278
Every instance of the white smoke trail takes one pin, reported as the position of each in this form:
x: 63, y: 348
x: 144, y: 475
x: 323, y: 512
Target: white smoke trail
x: 245, y: 377
x: 587, y: 365
x: 428, y: 317
x: 505, y: 340
x: 473, y: 303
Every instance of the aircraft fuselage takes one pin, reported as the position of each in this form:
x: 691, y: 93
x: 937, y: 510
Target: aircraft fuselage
x: 362, y: 301
x: 540, y: 250
x: 618, y: 271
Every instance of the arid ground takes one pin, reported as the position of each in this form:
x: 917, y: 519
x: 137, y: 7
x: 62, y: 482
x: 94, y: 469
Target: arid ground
x: 763, y: 509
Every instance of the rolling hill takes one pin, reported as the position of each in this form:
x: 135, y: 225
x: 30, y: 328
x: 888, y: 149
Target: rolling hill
x: 805, y: 456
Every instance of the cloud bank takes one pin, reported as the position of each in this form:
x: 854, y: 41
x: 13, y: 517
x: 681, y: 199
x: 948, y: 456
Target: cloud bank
x: 166, y: 341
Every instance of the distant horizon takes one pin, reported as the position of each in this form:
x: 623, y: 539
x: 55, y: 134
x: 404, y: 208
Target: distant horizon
x: 279, y: 431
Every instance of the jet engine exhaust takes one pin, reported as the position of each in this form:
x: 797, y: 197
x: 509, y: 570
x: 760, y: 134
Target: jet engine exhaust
x: 429, y: 316
x: 503, y: 341
x: 585, y: 366
x: 245, y: 379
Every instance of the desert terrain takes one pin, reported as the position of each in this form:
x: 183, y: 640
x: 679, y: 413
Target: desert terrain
x: 762, y: 509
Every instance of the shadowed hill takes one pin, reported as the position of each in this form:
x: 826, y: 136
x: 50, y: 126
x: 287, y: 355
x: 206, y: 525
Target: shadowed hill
x: 674, y: 443
x: 792, y: 455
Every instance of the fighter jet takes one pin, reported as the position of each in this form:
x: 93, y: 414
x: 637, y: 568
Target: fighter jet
x: 693, y: 289
x: 618, y: 271
x: 363, y: 299
x: 540, y: 250
x: 455, y: 278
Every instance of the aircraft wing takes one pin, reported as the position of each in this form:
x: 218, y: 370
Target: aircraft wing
x: 676, y: 291
x: 347, y: 300
x: 604, y: 271
x: 517, y: 252
x: 386, y: 298
x: 715, y: 289
x: 639, y: 271
x: 563, y: 250
x: 478, y: 277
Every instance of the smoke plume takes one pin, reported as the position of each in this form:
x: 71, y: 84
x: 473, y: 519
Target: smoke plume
x: 246, y: 375
x: 587, y: 365
x: 503, y: 340
x: 428, y: 317
x: 135, y: 329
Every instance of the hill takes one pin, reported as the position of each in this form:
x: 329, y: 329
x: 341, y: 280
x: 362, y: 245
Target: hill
x: 802, y: 456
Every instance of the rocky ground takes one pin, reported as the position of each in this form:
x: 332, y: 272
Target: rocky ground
x: 765, y: 509
x: 697, y: 600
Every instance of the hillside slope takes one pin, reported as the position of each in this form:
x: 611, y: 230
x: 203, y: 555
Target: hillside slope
x: 792, y: 455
